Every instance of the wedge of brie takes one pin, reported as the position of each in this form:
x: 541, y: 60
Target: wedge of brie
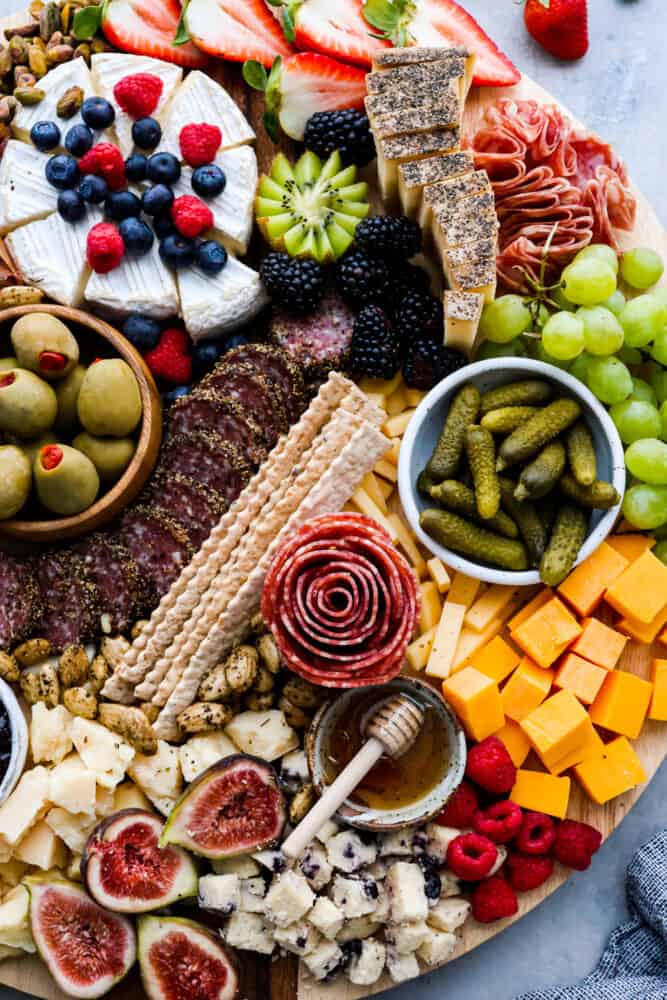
x: 211, y: 305
x: 54, y: 84
x: 138, y: 284
x: 201, y: 99
x: 25, y: 193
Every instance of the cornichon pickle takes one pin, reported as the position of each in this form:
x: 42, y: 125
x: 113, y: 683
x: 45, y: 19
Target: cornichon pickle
x: 541, y: 475
x: 531, y: 392
x: 460, y: 498
x: 600, y: 495
x: 506, y: 419
x: 446, y: 456
x: 547, y: 507
x: 481, y: 453
x: 472, y: 540
x: 581, y: 453
x: 424, y: 482
x: 525, y: 515
x: 566, y: 539
x: 532, y: 436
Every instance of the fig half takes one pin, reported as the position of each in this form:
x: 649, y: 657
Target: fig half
x: 234, y: 807
x: 125, y: 869
x: 181, y: 960
x: 86, y: 949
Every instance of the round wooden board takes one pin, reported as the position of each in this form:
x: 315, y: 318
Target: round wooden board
x: 282, y: 980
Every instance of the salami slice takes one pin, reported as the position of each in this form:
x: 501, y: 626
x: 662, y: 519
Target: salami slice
x: 242, y: 383
x: 217, y: 413
x: 110, y: 567
x: 70, y: 606
x: 317, y: 343
x: 209, y: 460
x: 19, y: 600
x: 194, y: 506
x: 159, y: 545
x: 342, y: 602
x: 279, y: 368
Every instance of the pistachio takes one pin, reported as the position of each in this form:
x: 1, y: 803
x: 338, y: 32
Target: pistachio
x: 81, y: 701
x: 23, y: 30
x: 241, y: 668
x: 18, y: 49
x: 137, y: 628
x: 25, y: 79
x: 66, y: 15
x: 255, y: 702
x: 20, y: 295
x: 70, y: 102
x: 204, y: 717
x: 264, y: 682
x: 7, y: 109
x: 215, y: 686
x: 35, y: 9
x: 49, y: 20
x: 98, y: 673
x: 294, y: 716
x: 268, y: 651
x: 9, y: 668
x: 82, y: 51
x: 98, y: 45
x: 301, y: 693
x: 37, y: 60
x: 29, y: 96
x: 302, y: 803
x: 56, y: 39
x: 32, y: 651
x: 131, y: 724
x: 150, y: 711
x: 73, y: 666
x: 59, y: 54
x: 5, y: 61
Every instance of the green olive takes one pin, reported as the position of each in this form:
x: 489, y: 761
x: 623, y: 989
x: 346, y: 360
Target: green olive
x: 65, y: 479
x: 27, y: 404
x: 15, y: 480
x: 67, y: 394
x: 32, y: 447
x: 110, y: 456
x: 6, y: 364
x: 109, y: 403
x: 44, y: 345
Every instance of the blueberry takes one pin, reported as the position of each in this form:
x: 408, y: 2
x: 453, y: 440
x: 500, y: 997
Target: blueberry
x: 45, y: 135
x: 177, y: 251
x: 97, y: 112
x: 142, y: 331
x: 79, y: 140
x: 174, y: 394
x: 137, y: 236
x: 135, y: 167
x: 157, y: 200
x: 93, y: 189
x: 208, y: 180
x: 62, y: 171
x: 163, y: 168
x: 432, y: 884
x: 237, y: 340
x: 71, y: 205
x: 204, y: 356
x: 122, y: 205
x: 163, y: 226
x: 146, y: 133
x: 211, y: 256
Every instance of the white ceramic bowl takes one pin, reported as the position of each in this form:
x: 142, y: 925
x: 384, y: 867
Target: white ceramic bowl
x: 19, y: 735
x: 427, y: 422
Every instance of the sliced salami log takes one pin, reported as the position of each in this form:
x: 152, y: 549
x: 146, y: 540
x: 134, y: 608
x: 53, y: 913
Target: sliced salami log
x: 317, y: 343
x: 194, y: 506
x: 69, y: 600
x: 279, y: 368
x: 206, y: 409
x: 19, y: 600
x: 241, y: 382
x: 111, y: 568
x: 342, y: 602
x: 209, y: 460
x: 159, y: 545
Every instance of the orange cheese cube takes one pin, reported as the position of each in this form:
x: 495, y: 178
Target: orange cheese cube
x: 590, y: 747
x: 547, y: 633
x: 617, y: 771
x: 582, y: 678
x: 541, y: 793
x: 599, y: 643
x: 476, y: 700
x: 641, y: 590
x: 515, y: 740
x: 585, y: 586
x: 431, y: 606
x: 622, y: 704
x: 631, y: 546
x: 640, y: 631
x: 543, y: 595
x: 497, y: 659
x: 527, y: 688
x: 658, y: 709
x: 556, y: 727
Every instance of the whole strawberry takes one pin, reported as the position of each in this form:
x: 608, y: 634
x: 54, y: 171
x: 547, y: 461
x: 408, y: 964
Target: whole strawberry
x: 171, y: 360
x: 560, y: 26
x: 490, y: 766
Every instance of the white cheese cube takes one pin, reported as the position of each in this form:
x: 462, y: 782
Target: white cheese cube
x: 273, y: 860
x: 294, y: 770
x: 72, y: 828
x: 289, y: 898
x: 315, y: 867
x: 72, y: 786
x: 358, y: 928
x: 401, y: 967
x: 382, y: 907
x: 159, y: 776
x: 129, y: 796
x: 326, y: 917
x: 406, y: 938
x: 49, y: 733
x: 449, y: 885
x: 437, y: 947
x: 299, y: 939
x: 407, y: 898
x: 396, y: 843
x: 439, y: 839
x: 355, y: 896
x: 366, y: 968
x: 243, y: 866
x: 264, y: 734
x: 202, y: 751
x: 501, y: 858
x: 249, y: 932
x: 24, y: 805
x: 14, y: 920
x: 348, y: 853
x: 42, y: 848
x: 103, y: 752
x: 221, y: 893
x: 329, y: 830
x: 253, y: 891
x: 449, y: 914
x: 104, y: 802
x: 324, y: 961
x: 378, y: 870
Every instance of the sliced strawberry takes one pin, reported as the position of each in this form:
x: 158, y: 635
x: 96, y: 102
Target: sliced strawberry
x: 236, y: 30
x: 148, y: 28
x: 336, y: 30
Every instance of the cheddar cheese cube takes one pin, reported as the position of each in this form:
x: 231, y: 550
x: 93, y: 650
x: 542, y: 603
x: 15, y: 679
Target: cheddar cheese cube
x: 543, y: 595
x: 556, y: 727
x: 631, y: 546
x: 470, y: 641
x: 387, y: 470
x: 397, y: 426
x: 527, y: 688
x: 622, y: 704
x: 445, y: 641
x: 641, y: 590
x: 582, y: 678
x: 496, y: 659
x: 431, y: 606
x: 397, y: 402
x: 541, y: 793
x: 642, y: 631
x: 515, y: 741
x: 438, y: 573
x: 658, y: 709
x: 490, y: 605
x: 463, y: 589
x: 617, y: 771
x: 547, y: 633
x: 370, y: 484
x: 586, y: 585
x: 418, y: 652
x: 476, y: 700
x: 385, y: 488
x: 591, y: 746
x: 599, y: 643
x: 393, y: 451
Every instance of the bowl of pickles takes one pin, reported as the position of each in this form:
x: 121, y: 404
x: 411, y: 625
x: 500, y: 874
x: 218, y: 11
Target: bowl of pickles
x: 511, y: 471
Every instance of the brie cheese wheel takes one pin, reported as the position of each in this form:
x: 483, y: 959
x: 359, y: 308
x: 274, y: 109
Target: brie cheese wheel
x: 54, y: 84
x: 25, y: 193
x: 138, y: 284
x: 201, y: 99
x: 215, y: 304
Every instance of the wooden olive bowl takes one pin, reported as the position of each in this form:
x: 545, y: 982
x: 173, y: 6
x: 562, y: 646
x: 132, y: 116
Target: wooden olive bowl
x: 108, y: 505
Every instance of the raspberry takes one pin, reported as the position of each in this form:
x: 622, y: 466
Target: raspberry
x: 526, y: 872
x: 493, y: 899
x: 500, y: 822
x: 471, y: 857
x: 171, y: 359
x: 104, y: 248
x: 490, y: 766
x: 88, y: 162
x: 138, y: 94
x: 191, y: 216
x: 199, y: 143
x: 105, y: 160
x: 460, y: 808
x: 576, y: 843
x: 537, y: 834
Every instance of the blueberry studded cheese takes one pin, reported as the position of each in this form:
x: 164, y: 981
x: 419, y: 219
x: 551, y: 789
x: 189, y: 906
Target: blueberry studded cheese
x: 437, y: 947
x: 355, y: 896
x: 273, y: 860
x: 329, y: 830
x: 367, y: 967
x: 299, y: 939
x: 325, y: 961
x: 401, y: 967
x: 326, y: 917
x: 449, y: 914
x: 252, y: 892
x: 315, y: 868
x: 406, y: 938
x: 289, y: 899
x: 407, y: 897
x: 348, y: 853
x: 294, y: 771
x: 249, y: 932
x: 358, y: 928
x: 439, y: 839
x: 397, y: 843
x: 220, y: 893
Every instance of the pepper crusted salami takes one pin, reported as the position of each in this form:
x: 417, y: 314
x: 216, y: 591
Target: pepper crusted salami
x: 317, y: 343
x: 110, y: 567
x: 69, y: 600
x: 342, y: 602
x: 158, y: 544
x: 19, y: 600
x: 208, y: 459
x: 198, y: 509
x: 221, y: 415
x: 241, y: 382
x: 279, y: 368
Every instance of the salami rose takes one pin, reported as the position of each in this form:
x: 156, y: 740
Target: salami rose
x: 341, y: 602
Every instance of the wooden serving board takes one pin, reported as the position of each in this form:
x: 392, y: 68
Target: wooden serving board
x: 263, y: 979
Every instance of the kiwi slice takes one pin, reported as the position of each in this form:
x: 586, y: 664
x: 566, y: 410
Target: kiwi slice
x: 311, y: 208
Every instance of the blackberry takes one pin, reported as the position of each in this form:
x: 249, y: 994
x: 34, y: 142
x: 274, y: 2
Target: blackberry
x: 347, y: 131
x: 418, y: 317
x: 408, y: 278
x: 363, y: 279
x: 427, y: 362
x: 389, y: 236
x: 297, y: 285
x: 375, y: 349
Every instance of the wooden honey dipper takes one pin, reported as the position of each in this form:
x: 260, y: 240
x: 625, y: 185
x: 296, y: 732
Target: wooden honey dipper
x: 391, y: 730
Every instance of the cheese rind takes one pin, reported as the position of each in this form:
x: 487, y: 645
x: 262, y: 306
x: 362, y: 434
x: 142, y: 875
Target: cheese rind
x: 54, y: 84
x: 25, y: 193
x: 215, y: 304
x: 139, y: 284
x: 202, y: 99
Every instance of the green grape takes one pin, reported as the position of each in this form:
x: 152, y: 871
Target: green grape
x: 659, y: 348
x: 563, y: 336
x: 635, y: 419
x: 504, y: 319
x: 641, y: 267
x: 603, y: 334
x: 601, y: 252
x: 630, y: 355
x: 540, y: 354
x: 514, y: 349
x: 561, y: 300
x: 660, y: 293
x: 660, y: 551
x: 645, y: 506
x: 615, y: 302
x: 588, y: 282
x: 647, y: 460
x: 609, y: 380
x: 642, y: 320
x: 643, y: 391
x: 659, y: 383
x: 663, y: 418
x: 579, y: 367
